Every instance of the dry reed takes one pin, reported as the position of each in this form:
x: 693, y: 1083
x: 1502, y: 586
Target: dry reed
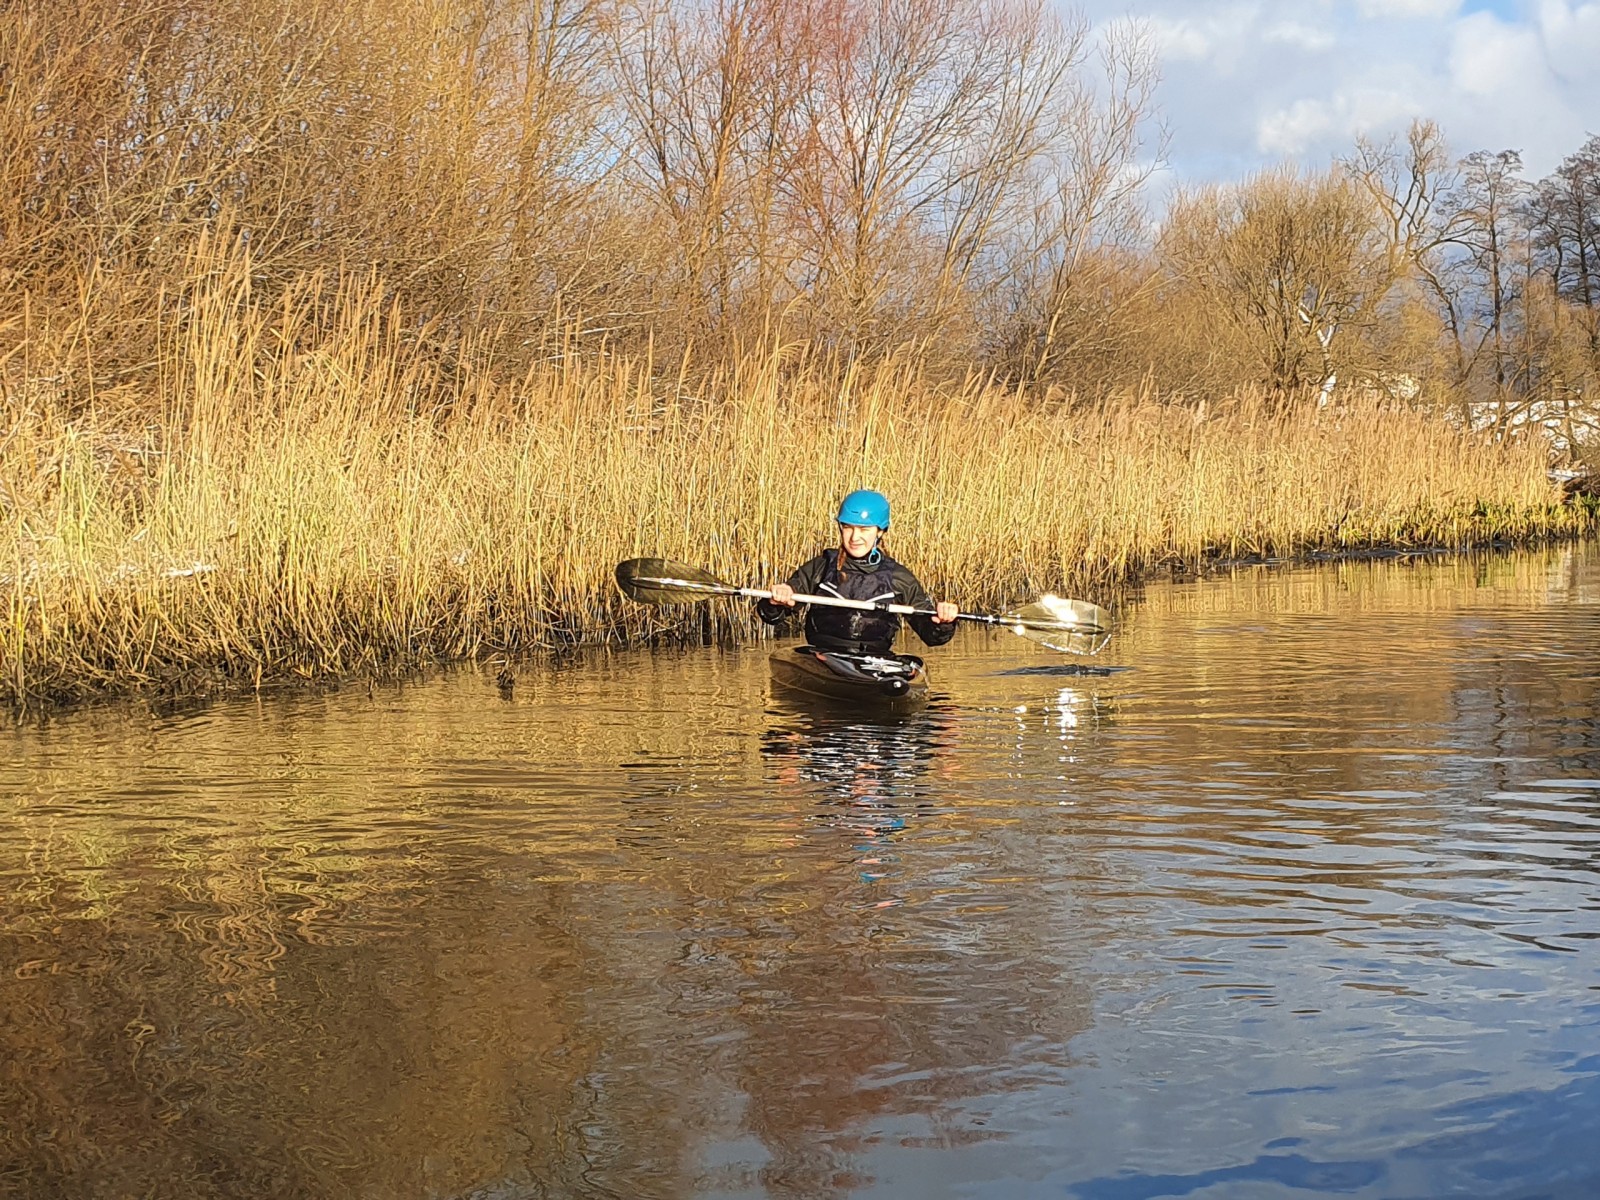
x: 311, y: 497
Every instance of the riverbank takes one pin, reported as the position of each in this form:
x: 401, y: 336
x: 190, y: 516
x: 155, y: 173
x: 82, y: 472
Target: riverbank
x: 313, y: 516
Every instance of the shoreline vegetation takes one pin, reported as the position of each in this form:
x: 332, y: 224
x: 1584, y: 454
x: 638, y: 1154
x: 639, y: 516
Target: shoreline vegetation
x: 360, y: 507
x: 341, y: 339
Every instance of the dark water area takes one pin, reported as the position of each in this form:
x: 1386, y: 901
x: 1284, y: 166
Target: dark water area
x: 1304, y: 900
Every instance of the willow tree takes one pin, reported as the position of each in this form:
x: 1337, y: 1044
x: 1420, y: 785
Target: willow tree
x: 450, y: 147
x: 1294, y: 265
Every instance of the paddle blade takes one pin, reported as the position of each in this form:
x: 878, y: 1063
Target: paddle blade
x: 1068, y: 614
x: 662, y: 581
x: 1073, y: 626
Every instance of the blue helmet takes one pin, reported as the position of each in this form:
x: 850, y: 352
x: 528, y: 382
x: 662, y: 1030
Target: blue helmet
x: 864, y: 508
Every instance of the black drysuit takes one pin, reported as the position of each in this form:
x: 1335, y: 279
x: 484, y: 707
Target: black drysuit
x: 875, y: 577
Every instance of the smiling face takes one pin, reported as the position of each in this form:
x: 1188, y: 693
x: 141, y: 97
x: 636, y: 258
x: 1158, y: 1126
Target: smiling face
x: 858, y: 540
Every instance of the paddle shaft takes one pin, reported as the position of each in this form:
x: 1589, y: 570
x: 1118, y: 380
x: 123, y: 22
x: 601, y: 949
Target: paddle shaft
x: 727, y: 589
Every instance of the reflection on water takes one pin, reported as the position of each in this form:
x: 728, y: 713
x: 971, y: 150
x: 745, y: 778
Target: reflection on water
x: 865, y: 773
x: 1304, y: 901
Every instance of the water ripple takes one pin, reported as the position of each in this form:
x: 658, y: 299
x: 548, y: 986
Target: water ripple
x: 1304, y: 899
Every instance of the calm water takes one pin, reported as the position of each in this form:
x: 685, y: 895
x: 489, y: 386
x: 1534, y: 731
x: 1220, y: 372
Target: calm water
x: 1304, y: 901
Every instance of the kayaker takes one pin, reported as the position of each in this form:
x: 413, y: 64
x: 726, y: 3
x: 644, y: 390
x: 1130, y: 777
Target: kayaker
x: 858, y: 569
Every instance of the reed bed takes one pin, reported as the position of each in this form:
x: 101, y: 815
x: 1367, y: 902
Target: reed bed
x: 286, y: 506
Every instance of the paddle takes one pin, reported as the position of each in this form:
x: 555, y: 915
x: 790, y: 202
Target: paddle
x: 1075, y: 626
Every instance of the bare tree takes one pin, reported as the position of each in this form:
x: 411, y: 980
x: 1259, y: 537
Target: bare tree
x: 1480, y: 280
x: 924, y: 118
x: 1296, y: 264
x: 1563, y: 363
x: 1076, y: 270
x: 1566, y: 228
x: 1405, y: 184
x: 709, y: 92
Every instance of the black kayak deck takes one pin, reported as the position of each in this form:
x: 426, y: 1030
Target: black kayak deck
x: 868, y: 680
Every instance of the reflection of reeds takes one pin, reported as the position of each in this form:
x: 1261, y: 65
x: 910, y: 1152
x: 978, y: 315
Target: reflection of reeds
x: 236, y: 929
x: 356, y: 505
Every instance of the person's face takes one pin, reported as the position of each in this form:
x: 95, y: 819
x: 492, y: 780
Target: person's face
x: 858, y: 540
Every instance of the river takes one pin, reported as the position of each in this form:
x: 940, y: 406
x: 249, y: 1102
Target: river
x: 1299, y: 897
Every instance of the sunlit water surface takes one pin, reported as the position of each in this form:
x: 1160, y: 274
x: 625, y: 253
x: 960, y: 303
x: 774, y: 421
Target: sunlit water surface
x: 1302, y: 901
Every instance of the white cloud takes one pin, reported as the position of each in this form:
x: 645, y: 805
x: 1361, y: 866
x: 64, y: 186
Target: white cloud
x: 1246, y: 83
x: 1571, y: 37
x: 1407, y: 9
x: 1488, y: 58
x: 1212, y: 33
x: 1179, y: 41
x: 1292, y: 131
x: 1300, y: 35
x: 1288, y: 131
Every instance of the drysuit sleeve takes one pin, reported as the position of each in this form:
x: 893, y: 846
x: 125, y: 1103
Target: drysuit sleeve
x: 908, y: 588
x: 807, y: 578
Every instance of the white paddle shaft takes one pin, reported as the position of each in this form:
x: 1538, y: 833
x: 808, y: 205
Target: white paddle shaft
x: 831, y: 601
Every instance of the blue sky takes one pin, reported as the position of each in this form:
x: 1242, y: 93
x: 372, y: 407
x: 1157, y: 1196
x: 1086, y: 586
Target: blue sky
x: 1246, y: 83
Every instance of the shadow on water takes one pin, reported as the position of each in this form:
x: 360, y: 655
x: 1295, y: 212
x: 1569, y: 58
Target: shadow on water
x: 1056, y: 669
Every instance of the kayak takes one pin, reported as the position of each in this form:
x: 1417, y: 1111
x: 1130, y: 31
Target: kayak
x: 890, y: 681
x: 871, y: 680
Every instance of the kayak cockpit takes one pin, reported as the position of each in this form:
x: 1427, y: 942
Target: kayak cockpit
x: 881, y: 679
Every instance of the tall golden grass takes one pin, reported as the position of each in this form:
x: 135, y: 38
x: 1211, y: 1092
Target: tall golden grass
x: 311, y: 491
